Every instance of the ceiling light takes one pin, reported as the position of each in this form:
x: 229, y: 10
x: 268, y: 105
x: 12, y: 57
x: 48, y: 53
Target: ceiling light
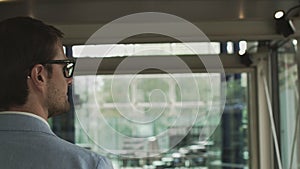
x: 284, y: 25
x: 278, y: 14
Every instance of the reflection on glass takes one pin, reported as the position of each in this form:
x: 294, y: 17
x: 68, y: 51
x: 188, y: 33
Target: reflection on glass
x: 171, y: 120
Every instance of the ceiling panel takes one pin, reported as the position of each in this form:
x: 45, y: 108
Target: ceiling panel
x: 219, y: 19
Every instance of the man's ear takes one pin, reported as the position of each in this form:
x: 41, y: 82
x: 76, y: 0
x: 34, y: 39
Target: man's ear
x: 38, y: 75
x: 40, y: 78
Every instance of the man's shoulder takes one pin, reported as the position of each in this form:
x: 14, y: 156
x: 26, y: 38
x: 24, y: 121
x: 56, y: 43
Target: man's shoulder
x: 83, y: 156
x: 47, y: 150
x: 26, y: 138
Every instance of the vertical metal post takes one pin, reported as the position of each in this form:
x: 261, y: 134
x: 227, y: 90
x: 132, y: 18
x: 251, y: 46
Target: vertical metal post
x: 274, y: 92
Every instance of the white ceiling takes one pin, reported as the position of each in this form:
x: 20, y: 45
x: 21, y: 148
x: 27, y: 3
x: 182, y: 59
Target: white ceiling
x: 218, y: 19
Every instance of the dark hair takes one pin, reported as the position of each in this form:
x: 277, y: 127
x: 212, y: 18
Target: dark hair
x: 24, y: 42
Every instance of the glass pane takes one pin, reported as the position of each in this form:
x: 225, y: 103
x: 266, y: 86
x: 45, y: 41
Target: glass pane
x: 171, y: 121
x: 289, y: 104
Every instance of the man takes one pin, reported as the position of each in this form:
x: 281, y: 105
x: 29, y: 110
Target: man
x: 35, y: 75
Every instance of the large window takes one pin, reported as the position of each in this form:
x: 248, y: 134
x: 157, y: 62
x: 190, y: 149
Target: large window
x: 171, y: 124
x: 164, y: 120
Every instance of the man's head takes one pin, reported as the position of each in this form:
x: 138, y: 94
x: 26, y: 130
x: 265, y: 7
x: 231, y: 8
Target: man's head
x: 26, y: 47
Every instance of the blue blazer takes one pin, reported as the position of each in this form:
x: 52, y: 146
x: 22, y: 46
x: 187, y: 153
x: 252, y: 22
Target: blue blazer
x: 28, y: 143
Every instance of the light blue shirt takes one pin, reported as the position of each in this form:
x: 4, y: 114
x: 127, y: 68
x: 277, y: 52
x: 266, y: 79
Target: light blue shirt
x: 27, y: 142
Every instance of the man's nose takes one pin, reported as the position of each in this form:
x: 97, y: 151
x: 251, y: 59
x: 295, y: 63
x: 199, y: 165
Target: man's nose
x: 70, y: 81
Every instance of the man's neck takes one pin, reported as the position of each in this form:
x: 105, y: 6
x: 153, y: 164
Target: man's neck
x: 30, y: 109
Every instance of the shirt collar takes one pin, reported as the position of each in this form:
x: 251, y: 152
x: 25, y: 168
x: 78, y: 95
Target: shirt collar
x: 27, y: 114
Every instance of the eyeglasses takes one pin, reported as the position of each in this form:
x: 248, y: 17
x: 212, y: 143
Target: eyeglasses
x: 68, y: 69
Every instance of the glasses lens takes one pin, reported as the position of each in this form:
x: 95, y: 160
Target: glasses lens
x: 69, y: 68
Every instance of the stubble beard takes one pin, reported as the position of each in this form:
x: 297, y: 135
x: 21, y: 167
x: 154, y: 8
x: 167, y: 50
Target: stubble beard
x: 56, y: 101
